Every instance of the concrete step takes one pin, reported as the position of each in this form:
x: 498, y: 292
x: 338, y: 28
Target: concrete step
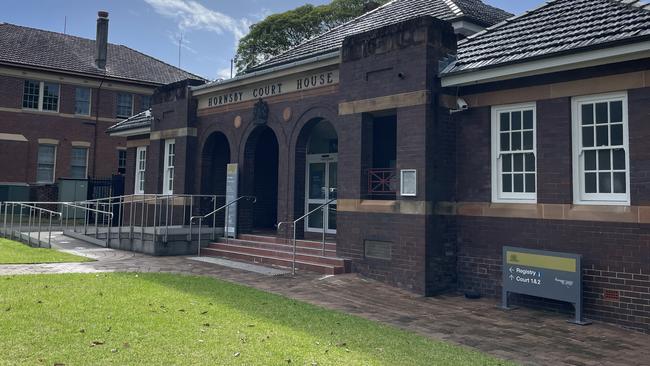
x: 273, y: 261
x: 281, y: 240
x: 330, y: 250
x: 272, y: 251
x: 282, y: 254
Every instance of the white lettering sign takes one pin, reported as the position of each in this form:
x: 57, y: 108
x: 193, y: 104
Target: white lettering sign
x: 269, y: 89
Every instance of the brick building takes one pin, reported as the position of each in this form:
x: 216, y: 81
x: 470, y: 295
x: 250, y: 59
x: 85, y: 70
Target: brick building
x: 440, y: 140
x: 58, y: 95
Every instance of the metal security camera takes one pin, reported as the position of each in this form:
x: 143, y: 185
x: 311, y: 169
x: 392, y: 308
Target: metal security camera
x: 462, y: 106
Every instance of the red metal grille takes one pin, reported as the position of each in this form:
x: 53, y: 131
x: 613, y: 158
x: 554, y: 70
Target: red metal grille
x: 382, y: 181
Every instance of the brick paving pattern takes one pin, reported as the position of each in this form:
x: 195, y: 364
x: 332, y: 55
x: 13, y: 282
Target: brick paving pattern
x: 525, y: 336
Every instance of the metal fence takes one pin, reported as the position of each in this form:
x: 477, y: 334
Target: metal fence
x: 109, y: 218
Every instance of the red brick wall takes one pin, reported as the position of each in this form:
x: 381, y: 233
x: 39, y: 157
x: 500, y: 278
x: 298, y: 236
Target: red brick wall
x: 20, y: 164
x: 615, y: 258
x: 615, y: 255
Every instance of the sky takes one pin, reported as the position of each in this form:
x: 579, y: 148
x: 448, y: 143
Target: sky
x: 209, y: 29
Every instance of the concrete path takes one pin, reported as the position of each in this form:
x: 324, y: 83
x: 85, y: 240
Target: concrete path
x: 526, y: 336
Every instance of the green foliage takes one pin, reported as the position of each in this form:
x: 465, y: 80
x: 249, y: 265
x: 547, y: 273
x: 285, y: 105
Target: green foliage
x: 280, y: 32
x: 12, y: 252
x: 165, y: 319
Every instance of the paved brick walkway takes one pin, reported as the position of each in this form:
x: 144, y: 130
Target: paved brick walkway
x: 526, y: 336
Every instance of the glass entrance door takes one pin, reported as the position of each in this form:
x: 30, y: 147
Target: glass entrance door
x: 322, y: 174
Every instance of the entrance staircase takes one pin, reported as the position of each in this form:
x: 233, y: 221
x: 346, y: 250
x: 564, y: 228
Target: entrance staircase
x: 278, y: 252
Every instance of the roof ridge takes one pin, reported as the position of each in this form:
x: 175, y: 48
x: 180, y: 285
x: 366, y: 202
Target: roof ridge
x: 454, y: 7
x: 327, y: 32
x: 636, y: 4
x: 55, y: 32
x: 109, y: 43
x: 161, y: 61
x: 504, y: 22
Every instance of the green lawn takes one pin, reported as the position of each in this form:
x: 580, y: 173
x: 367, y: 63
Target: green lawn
x: 165, y: 319
x: 12, y: 252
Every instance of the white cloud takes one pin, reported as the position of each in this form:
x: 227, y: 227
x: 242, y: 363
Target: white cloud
x: 192, y: 15
x: 223, y: 73
x: 176, y: 38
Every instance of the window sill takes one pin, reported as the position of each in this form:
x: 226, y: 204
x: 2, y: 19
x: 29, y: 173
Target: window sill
x: 514, y: 201
x: 602, y: 203
x: 39, y: 111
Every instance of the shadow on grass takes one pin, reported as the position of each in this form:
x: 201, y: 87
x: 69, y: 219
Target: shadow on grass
x: 337, y: 328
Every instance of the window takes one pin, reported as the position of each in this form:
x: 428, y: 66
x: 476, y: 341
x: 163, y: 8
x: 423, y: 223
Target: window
x: 514, y: 157
x: 79, y: 162
x: 140, y: 169
x: 600, y: 150
x: 82, y: 101
x: 121, y: 161
x: 170, y: 157
x: 31, y: 94
x: 50, y: 97
x: 146, y: 102
x: 41, y: 96
x: 124, y: 105
x: 46, y: 163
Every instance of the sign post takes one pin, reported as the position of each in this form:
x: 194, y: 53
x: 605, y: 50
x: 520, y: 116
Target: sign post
x: 552, y: 275
x: 232, y: 181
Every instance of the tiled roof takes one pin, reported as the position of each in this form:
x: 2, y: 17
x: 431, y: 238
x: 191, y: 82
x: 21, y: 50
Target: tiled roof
x: 140, y: 120
x: 38, y: 48
x: 558, y: 27
x: 390, y: 13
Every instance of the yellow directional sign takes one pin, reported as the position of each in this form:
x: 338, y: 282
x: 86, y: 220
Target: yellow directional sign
x: 541, y: 261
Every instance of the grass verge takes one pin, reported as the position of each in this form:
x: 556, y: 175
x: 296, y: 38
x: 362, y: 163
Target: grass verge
x: 166, y: 319
x: 13, y: 252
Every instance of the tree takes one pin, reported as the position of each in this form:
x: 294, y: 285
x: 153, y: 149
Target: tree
x: 280, y: 32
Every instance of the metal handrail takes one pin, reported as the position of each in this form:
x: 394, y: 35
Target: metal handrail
x: 88, y: 209
x: 294, y: 222
x: 202, y: 217
x: 33, y: 211
x: 146, y: 195
x: 133, y: 212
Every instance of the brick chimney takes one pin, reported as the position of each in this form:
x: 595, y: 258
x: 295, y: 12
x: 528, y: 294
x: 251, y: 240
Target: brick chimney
x: 101, y: 40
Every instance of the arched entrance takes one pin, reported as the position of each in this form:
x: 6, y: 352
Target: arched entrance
x: 320, y: 160
x: 261, y: 178
x: 215, y: 158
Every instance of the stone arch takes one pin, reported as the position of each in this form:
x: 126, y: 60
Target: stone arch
x: 259, y: 177
x: 309, y: 124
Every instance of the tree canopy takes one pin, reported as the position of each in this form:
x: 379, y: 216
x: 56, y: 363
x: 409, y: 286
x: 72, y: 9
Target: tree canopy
x: 280, y: 32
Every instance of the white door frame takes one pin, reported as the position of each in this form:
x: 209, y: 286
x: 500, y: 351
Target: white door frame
x: 326, y: 159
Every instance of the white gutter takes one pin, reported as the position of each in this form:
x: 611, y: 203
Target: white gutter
x: 562, y: 63
x: 327, y: 59
x: 133, y: 132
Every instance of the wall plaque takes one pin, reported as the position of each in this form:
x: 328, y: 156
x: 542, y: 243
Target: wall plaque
x: 408, y: 182
x: 377, y: 249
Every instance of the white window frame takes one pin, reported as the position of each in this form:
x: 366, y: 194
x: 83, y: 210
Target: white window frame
x: 41, y: 93
x: 117, y: 104
x: 168, y: 182
x: 498, y: 196
x: 140, y: 174
x: 86, y: 163
x: 579, y: 195
x: 90, y: 101
x: 56, y: 150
